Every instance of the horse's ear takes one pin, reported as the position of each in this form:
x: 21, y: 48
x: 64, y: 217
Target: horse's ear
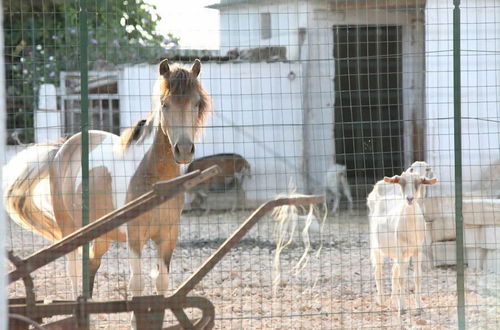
x: 164, y: 68
x: 196, y: 68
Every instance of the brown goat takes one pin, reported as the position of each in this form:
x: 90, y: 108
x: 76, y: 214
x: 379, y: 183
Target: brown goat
x: 234, y: 170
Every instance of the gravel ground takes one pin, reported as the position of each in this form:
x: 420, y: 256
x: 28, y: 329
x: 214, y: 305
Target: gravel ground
x: 335, y: 290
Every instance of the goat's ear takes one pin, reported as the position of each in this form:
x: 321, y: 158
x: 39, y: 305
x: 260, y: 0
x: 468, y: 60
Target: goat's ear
x: 429, y: 181
x: 164, y: 68
x: 195, y: 69
x: 394, y: 179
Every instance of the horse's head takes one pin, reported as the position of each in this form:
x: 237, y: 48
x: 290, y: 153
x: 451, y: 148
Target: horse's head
x: 184, y: 104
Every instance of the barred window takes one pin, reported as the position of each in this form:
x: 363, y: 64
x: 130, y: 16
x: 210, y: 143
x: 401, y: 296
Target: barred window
x: 103, y: 102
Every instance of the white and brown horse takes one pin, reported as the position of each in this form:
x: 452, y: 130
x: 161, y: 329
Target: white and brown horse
x: 121, y: 168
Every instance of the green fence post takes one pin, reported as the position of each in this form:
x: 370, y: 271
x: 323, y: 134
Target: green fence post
x: 458, y: 166
x: 85, y: 139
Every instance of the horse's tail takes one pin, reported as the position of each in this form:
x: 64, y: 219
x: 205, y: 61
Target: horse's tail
x: 27, y: 202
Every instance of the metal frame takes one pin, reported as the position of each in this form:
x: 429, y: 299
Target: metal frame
x: 148, y: 310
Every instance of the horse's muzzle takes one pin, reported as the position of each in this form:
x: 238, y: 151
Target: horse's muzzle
x: 184, y: 152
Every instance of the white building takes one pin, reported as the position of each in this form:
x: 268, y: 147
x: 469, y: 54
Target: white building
x: 421, y: 34
x: 363, y: 105
x: 367, y: 82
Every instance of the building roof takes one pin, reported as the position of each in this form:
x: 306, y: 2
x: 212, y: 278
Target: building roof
x: 230, y: 3
x: 334, y: 4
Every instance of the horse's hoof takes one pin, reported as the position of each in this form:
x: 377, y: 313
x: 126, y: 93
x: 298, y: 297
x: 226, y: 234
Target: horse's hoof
x: 419, y: 311
x: 401, y: 311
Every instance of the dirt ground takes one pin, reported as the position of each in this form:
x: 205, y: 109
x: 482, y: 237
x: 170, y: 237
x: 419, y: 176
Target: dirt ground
x: 334, y: 291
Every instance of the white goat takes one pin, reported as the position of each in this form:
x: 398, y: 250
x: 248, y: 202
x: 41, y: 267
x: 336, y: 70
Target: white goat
x: 383, y: 193
x: 399, y: 234
x: 336, y: 184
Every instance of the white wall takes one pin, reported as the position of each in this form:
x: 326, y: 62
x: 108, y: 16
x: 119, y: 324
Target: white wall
x: 240, y: 25
x: 480, y: 59
x: 48, y: 118
x: 257, y: 113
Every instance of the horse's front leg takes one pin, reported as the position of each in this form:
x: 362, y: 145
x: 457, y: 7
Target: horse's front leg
x: 165, y: 246
x: 136, y: 284
x: 74, y: 269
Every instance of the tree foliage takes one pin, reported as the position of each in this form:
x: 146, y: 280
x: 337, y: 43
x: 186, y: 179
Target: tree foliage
x: 42, y: 39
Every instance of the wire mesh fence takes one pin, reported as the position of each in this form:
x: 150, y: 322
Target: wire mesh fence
x: 290, y: 97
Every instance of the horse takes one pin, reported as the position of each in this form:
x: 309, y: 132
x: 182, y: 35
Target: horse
x: 121, y: 168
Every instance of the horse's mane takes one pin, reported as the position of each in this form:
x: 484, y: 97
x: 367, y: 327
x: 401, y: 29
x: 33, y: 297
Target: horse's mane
x: 141, y: 130
x: 179, y: 84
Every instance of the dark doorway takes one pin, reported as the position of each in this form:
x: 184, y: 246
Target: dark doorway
x: 368, y: 103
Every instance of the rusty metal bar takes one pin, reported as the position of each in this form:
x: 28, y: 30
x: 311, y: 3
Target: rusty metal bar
x: 67, y: 323
x: 183, y: 319
x: 119, y: 306
x: 18, y: 322
x: 161, y: 192
x: 149, y: 313
x: 60, y: 307
x: 29, y: 287
x: 203, y: 323
x: 197, y: 276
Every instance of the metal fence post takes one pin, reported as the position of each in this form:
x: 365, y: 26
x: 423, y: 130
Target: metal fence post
x: 458, y: 165
x: 85, y: 140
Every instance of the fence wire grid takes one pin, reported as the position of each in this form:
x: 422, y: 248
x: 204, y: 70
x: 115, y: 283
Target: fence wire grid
x: 289, y: 97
